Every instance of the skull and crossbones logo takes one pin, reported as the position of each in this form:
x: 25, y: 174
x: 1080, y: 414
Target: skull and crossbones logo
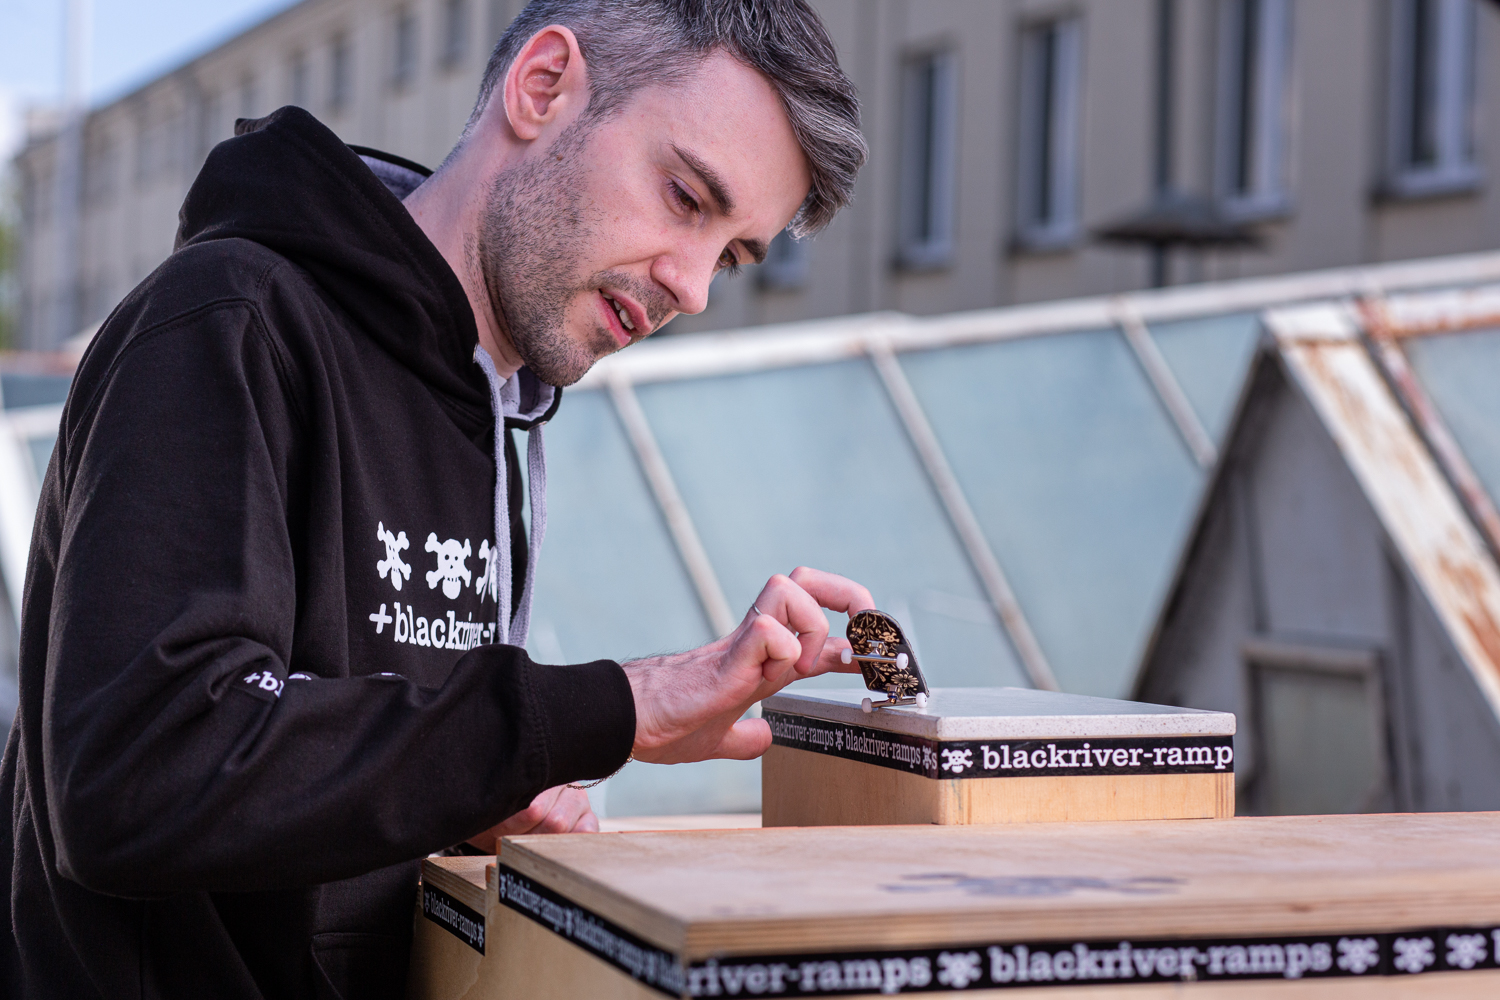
x: 488, y: 581
x: 392, y: 564
x: 451, y: 558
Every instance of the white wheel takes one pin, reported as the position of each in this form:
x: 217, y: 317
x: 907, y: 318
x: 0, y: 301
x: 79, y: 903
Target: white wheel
x: 846, y: 656
x: 901, y: 661
x: 867, y: 706
x: 921, y: 700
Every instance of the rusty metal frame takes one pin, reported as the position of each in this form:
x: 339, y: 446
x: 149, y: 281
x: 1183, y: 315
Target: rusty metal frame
x: 1391, y: 321
x: 1414, y: 500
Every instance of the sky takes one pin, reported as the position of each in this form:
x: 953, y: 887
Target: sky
x: 133, y: 41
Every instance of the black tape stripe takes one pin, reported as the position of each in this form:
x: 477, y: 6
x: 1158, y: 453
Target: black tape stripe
x: 1098, y: 963
x: 458, y: 919
x: 1011, y: 964
x: 942, y: 759
x: 643, y: 962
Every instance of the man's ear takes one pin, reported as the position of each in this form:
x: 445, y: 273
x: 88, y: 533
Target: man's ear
x: 545, y: 81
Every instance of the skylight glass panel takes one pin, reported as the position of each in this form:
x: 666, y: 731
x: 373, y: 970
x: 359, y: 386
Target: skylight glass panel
x: 1458, y: 370
x: 1210, y: 356
x: 1080, y: 482
x: 609, y: 583
x: 812, y: 466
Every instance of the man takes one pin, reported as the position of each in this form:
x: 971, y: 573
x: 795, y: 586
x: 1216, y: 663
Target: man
x: 261, y: 671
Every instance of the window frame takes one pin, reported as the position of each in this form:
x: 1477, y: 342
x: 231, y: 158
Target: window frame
x: 1254, y: 185
x: 405, y: 50
x: 340, y: 71
x: 928, y: 174
x: 300, y: 79
x: 455, y: 39
x: 1049, y: 134
x: 1456, y: 168
x: 1265, y: 656
x: 100, y: 167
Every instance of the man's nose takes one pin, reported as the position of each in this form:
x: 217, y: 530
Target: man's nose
x: 687, y: 278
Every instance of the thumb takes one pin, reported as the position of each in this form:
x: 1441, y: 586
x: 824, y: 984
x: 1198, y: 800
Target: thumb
x: 745, y: 740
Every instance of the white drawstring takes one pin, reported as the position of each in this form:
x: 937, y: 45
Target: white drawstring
x: 505, y: 397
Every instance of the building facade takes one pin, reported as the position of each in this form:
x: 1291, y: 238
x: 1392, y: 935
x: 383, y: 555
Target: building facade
x: 1004, y: 134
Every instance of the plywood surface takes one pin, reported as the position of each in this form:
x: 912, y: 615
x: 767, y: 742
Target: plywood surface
x: 800, y: 788
x: 462, y: 878
x: 698, y: 893
x: 530, y: 961
x: 1007, y: 713
x: 690, y: 821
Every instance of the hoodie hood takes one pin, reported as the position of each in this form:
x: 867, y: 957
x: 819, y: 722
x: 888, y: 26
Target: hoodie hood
x: 288, y: 183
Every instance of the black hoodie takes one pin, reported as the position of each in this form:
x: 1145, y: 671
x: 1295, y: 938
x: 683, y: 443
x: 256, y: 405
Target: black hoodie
x: 255, y: 684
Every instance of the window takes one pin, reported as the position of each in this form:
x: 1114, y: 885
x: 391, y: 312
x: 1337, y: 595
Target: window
x: 301, y: 80
x: 928, y: 147
x: 38, y: 198
x: 1047, y: 174
x: 1319, y: 728
x: 143, y: 164
x: 248, y: 97
x: 455, y: 31
x: 785, y: 266
x: 500, y: 17
x: 1431, y: 132
x: 341, y: 74
x: 404, y: 54
x: 99, y: 169
x: 211, y: 111
x: 1252, y: 92
x: 170, y: 136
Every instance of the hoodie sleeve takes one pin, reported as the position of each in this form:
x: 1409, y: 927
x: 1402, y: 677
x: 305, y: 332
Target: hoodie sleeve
x: 173, y: 578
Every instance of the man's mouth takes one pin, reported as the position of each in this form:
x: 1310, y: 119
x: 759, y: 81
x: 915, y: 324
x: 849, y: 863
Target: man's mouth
x: 626, y: 326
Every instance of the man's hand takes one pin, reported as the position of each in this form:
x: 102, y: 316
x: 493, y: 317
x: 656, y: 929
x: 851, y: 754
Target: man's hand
x: 563, y: 809
x: 688, y: 705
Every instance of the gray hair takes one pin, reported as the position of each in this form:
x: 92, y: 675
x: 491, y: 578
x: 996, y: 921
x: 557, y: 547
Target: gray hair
x: 630, y: 44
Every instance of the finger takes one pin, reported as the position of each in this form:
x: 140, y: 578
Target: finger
x: 831, y: 660
x: 789, y: 604
x: 528, y: 819
x: 566, y: 811
x: 834, y: 592
x: 745, y: 740
x: 768, y: 644
x: 587, y: 823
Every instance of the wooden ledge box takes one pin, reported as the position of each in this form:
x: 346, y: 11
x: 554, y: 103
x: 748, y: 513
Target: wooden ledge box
x: 1295, y: 908
x: 992, y: 755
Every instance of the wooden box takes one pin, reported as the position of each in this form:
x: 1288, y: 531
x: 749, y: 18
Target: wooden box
x: 992, y: 755
x: 1290, y: 907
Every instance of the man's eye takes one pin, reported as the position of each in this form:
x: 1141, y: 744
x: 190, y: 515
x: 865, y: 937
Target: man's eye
x: 684, y: 199
x: 729, y: 262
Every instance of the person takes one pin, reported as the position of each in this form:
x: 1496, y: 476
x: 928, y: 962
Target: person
x: 272, y: 650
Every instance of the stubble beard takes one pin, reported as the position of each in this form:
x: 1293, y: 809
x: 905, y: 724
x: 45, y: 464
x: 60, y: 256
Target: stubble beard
x: 533, y: 233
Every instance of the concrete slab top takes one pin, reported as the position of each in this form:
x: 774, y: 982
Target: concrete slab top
x: 1005, y: 713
